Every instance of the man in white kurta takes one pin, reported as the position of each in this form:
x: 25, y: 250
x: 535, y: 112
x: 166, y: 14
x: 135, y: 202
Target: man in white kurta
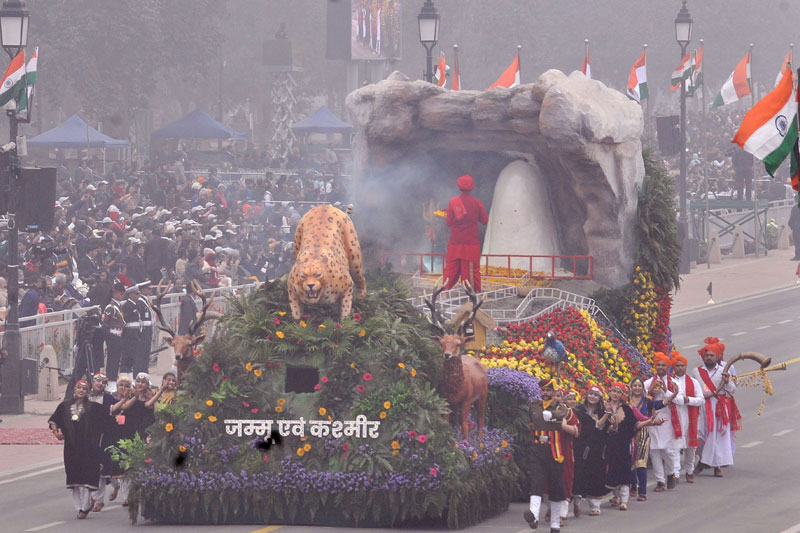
x: 664, y: 447
x: 720, y: 415
x: 688, y: 402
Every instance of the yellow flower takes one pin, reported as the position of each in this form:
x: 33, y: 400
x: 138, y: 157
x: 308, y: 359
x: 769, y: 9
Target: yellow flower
x: 212, y: 418
x: 169, y: 427
x: 322, y: 326
x: 303, y: 438
x: 387, y: 405
x: 395, y: 452
x: 383, y: 415
x: 182, y: 448
x: 198, y: 415
x: 322, y: 411
x: 395, y: 445
x: 362, y: 333
x: 257, y: 372
x: 279, y: 334
x: 281, y: 401
x: 474, y: 455
x: 401, y: 365
x: 307, y: 447
x: 504, y: 444
x: 209, y: 402
x: 352, y: 365
x: 279, y: 409
x: 300, y: 452
x: 248, y: 367
x: 413, y: 372
x: 303, y: 324
x: 282, y: 313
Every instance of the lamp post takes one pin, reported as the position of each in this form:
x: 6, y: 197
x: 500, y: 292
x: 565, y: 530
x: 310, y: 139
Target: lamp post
x: 428, y: 20
x: 683, y: 34
x: 13, y: 37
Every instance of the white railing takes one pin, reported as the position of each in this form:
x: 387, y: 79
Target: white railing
x: 59, y: 328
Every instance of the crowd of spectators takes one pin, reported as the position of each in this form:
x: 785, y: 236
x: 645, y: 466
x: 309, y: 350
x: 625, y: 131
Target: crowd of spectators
x: 174, y: 218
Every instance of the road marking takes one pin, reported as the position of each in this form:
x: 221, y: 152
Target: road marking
x: 110, y: 507
x: 753, y: 444
x: 785, y: 321
x: 763, y: 327
x: 739, y: 333
x: 46, y: 470
x: 782, y: 433
x: 266, y: 529
x: 745, y: 298
x: 691, y: 346
x: 45, y: 526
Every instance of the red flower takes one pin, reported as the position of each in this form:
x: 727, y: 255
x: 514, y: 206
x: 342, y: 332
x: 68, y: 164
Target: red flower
x: 507, y: 456
x: 423, y: 439
x: 360, y: 388
x: 277, y: 321
x: 306, y: 316
x: 317, y: 386
x: 215, y: 367
x: 148, y: 460
x: 266, y: 459
x: 277, y: 366
x: 224, y: 378
x: 434, y: 472
x: 345, y: 446
x: 324, y: 379
x: 367, y: 377
x: 254, y: 410
x: 337, y: 325
x: 412, y: 433
x: 357, y: 317
x: 246, y: 404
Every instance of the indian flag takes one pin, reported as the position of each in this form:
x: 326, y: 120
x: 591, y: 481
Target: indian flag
x: 509, y: 78
x: 13, y: 81
x: 697, y: 74
x: 30, y: 80
x: 737, y: 86
x: 637, y: 81
x: 683, y: 71
x: 769, y: 129
x: 441, y: 71
x: 587, y: 67
x: 786, y: 65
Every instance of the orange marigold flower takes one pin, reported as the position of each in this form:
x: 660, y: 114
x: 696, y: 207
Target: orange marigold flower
x: 279, y: 409
x: 212, y: 418
x: 198, y: 415
x: 169, y: 427
x: 279, y: 334
x: 257, y: 372
x: 209, y: 402
x: 362, y: 333
x: 383, y: 415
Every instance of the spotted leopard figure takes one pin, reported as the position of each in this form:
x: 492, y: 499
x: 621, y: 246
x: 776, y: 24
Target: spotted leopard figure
x: 327, y: 261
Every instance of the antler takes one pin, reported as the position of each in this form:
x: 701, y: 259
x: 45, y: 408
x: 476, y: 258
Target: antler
x: 435, y: 320
x: 157, y: 308
x: 196, y: 289
x: 476, y: 304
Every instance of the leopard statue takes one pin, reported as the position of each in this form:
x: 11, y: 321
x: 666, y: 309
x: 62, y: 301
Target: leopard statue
x: 327, y: 262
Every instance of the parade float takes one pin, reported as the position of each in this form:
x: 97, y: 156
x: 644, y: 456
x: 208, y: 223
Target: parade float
x: 312, y: 406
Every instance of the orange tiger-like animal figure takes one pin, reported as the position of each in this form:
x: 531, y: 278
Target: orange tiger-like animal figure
x: 327, y: 261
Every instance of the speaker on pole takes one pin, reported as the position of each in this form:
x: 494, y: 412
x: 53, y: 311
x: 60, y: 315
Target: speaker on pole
x: 669, y: 134
x: 36, y: 199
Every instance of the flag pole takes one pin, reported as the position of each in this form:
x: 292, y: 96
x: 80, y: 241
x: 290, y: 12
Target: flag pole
x: 457, y: 68
x: 519, y: 56
x: 704, y: 162
x: 586, y: 49
x: 757, y: 226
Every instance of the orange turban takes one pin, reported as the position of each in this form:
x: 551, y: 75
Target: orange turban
x: 678, y: 358
x: 661, y: 356
x: 712, y: 345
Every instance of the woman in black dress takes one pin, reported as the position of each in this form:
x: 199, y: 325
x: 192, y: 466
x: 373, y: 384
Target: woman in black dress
x: 589, y: 450
x: 79, y: 423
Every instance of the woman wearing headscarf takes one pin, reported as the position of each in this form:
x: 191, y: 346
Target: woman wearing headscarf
x: 99, y: 395
x: 79, y: 423
x: 645, y: 406
x: 589, y: 451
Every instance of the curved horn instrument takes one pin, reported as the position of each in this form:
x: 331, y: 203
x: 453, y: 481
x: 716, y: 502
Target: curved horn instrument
x: 762, y: 360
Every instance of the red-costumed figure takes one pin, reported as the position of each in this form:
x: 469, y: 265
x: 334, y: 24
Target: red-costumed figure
x: 464, y: 249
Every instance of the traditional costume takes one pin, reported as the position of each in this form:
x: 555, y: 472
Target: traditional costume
x: 641, y: 444
x: 721, y: 415
x: 547, y: 459
x: 618, y: 450
x: 464, y: 248
x: 686, y: 405
x: 665, y: 445
x: 590, y: 447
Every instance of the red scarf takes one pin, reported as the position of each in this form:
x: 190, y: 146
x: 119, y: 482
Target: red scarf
x: 694, y: 414
x: 673, y: 411
x: 727, y: 411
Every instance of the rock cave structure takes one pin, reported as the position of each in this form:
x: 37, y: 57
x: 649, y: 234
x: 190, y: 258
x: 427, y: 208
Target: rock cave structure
x: 581, y: 138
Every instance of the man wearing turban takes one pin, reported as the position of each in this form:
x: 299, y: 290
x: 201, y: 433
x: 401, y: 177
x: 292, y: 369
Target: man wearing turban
x: 685, y: 410
x: 665, y: 448
x: 720, y: 417
x: 464, y: 248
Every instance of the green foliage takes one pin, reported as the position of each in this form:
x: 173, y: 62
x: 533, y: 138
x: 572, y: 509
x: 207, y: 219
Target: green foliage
x: 616, y: 303
x: 658, y: 249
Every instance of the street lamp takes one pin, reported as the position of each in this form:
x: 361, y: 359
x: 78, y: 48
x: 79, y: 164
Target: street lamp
x: 14, y: 17
x: 428, y: 20
x: 683, y: 34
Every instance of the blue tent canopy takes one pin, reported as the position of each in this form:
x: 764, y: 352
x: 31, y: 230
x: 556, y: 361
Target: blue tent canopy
x: 322, y: 121
x: 197, y: 125
x: 75, y: 133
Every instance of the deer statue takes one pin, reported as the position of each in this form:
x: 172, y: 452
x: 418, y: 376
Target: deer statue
x: 464, y: 380
x: 183, y: 345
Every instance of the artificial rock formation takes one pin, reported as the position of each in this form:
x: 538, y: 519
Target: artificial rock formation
x: 583, y: 137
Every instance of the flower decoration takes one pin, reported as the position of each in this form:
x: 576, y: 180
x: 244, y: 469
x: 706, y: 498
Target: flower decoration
x: 360, y: 388
x: 357, y: 317
x: 281, y: 313
x: 182, y: 448
x: 367, y: 376
x: 321, y: 326
x: 303, y: 324
x: 382, y: 415
x: 169, y: 427
x: 198, y: 415
x: 281, y: 401
x: 277, y: 321
x: 422, y: 438
x: 322, y: 411
x: 209, y: 402
x: 279, y: 409
x: 395, y: 445
x: 362, y: 333
x: 279, y: 334
x: 387, y: 404
x: 215, y: 367
x: 212, y: 418
x: 413, y: 372
x: 254, y: 410
x: 324, y: 379
x: 300, y: 452
x: 434, y: 472
x: 257, y: 372
x: 249, y: 367
x: 401, y: 365
x: 307, y: 447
